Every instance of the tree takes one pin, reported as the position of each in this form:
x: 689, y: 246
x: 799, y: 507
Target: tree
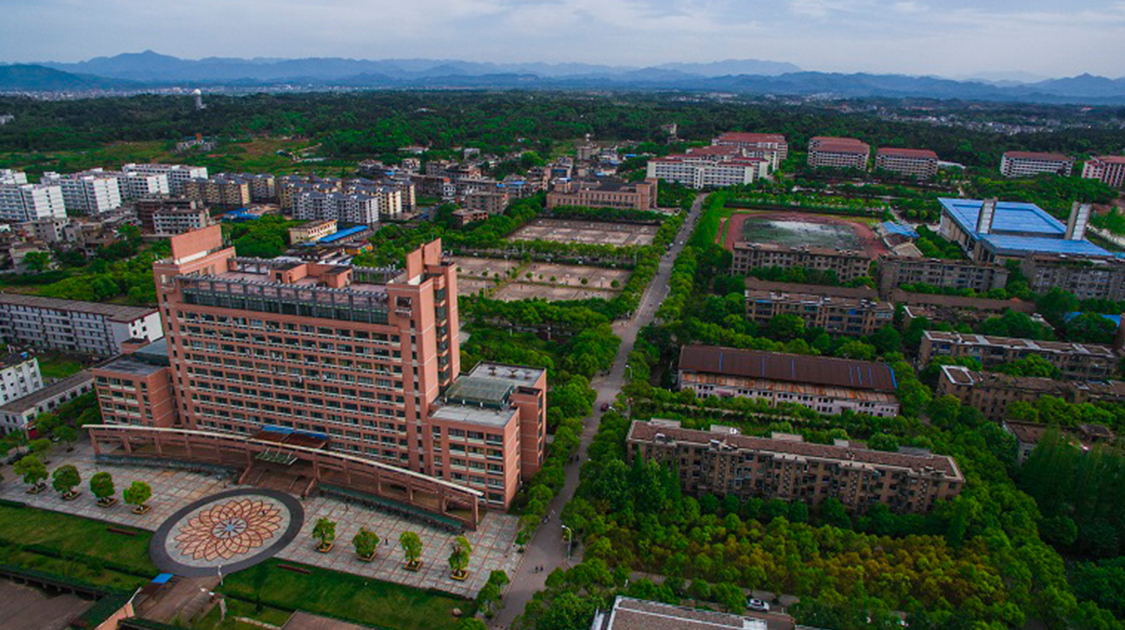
x: 785, y: 327
x: 31, y: 470
x: 40, y: 447
x: 1031, y: 365
x: 460, y: 549
x: 365, y: 542
x: 101, y: 484
x: 66, y: 434
x: 325, y: 532
x: 137, y: 494
x: 411, y: 547
x: 37, y: 262
x: 729, y: 596
x: 65, y: 479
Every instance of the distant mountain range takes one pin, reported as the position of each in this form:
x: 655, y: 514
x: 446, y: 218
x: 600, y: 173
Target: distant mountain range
x: 147, y: 70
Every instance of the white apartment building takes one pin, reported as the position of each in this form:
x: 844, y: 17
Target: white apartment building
x: 19, y: 376
x: 1027, y: 164
x: 13, y: 178
x: 30, y: 202
x: 177, y: 173
x: 73, y: 325
x: 1109, y: 169
x: 137, y: 185
x: 920, y: 163
x: 172, y: 221
x: 354, y: 208
x: 20, y: 414
x: 771, y: 146
x: 704, y: 172
x: 89, y: 192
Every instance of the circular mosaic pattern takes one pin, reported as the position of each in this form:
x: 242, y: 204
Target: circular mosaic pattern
x: 234, y: 529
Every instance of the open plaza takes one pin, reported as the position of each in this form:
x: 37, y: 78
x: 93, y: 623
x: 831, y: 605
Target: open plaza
x: 587, y: 232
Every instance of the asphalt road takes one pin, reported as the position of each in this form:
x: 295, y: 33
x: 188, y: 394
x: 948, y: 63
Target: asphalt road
x: 547, y: 548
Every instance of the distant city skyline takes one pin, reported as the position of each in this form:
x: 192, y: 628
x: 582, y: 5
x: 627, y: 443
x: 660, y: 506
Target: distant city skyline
x: 956, y: 38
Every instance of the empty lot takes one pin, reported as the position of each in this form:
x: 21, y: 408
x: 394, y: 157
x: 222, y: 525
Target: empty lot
x: 586, y: 232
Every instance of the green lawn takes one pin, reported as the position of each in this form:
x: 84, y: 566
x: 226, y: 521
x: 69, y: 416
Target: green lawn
x: 238, y: 608
x: 80, y: 540
x: 348, y: 597
x: 57, y: 366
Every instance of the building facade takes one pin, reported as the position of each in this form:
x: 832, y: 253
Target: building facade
x: 227, y: 192
x: 312, y: 231
x: 89, y: 192
x: 895, y: 271
x: 172, y: 221
x: 847, y: 264
x: 19, y: 376
x: 177, y: 174
x: 20, y: 414
x: 30, y: 202
x: 1108, y: 169
x: 722, y: 461
x: 828, y: 152
x: 74, y: 326
x: 707, y: 168
x: 771, y: 146
x: 994, y: 231
x: 836, y: 315
x: 604, y: 194
x: 1087, y: 278
x: 1028, y: 164
x: 920, y: 163
x: 828, y: 386
x: 1075, y: 360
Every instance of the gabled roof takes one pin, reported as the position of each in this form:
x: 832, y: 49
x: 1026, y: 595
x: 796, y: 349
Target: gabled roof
x: 792, y: 368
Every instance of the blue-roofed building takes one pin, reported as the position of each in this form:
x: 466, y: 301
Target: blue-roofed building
x: 344, y: 234
x: 998, y: 231
x: 899, y: 229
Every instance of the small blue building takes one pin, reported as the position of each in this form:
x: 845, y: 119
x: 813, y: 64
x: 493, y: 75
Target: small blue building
x: 998, y: 231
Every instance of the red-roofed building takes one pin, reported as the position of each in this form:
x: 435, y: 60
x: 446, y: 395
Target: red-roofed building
x: 709, y: 167
x: 920, y: 163
x: 1108, y: 169
x: 771, y: 146
x: 1027, y: 164
x: 829, y: 152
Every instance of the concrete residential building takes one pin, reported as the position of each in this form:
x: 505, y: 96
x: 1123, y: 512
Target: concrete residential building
x: 365, y: 361
x: 227, y: 192
x: 1027, y: 164
x: 74, y: 326
x: 173, y: 221
x: 89, y: 192
x: 825, y: 385
x: 636, y: 614
x: 30, y: 202
x: 139, y: 185
x: 12, y: 178
x: 709, y: 167
x: 1075, y: 360
x: 838, y: 153
x: 20, y: 414
x: 354, y: 208
x: 895, y: 271
x: 1108, y: 169
x: 920, y: 163
x: 604, y: 194
x: 1028, y: 435
x: 771, y: 146
x: 146, y: 208
x: 312, y: 231
x: 492, y: 202
x: 847, y: 264
x: 136, y: 388
x: 722, y: 461
x: 177, y: 174
x: 836, y: 315
x: 954, y: 309
x: 998, y: 231
x: 1087, y: 278
x: 992, y: 392
x: 19, y: 376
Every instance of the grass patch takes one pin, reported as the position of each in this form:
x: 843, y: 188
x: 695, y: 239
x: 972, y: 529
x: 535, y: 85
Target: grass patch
x: 86, y: 540
x: 75, y: 568
x: 58, y: 366
x: 239, y: 608
x: 347, y: 597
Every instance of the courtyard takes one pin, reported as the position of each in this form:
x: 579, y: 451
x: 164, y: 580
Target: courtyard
x: 587, y: 232
x: 173, y: 491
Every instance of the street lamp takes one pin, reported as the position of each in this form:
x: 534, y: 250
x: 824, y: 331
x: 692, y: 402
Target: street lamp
x: 569, y: 540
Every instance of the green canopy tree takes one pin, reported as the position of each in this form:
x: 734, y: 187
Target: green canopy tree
x: 137, y: 494
x: 411, y: 547
x: 66, y: 434
x: 459, y: 553
x: 65, y: 479
x: 31, y: 470
x: 365, y: 542
x: 101, y: 484
x: 325, y: 532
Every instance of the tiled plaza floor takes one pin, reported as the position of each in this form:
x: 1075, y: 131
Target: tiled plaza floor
x: 493, y: 543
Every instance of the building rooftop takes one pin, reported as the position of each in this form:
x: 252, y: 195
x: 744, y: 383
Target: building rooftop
x: 963, y: 376
x: 898, y: 229
x: 1033, y: 155
x: 1015, y: 343
x: 795, y: 368
x: 850, y: 452
x: 130, y: 366
x: 858, y: 293
x: 635, y: 614
x: 484, y: 416
x: 908, y: 153
x: 1111, y: 159
x: 344, y: 234
x: 113, y: 312
x: 16, y: 358
x: 1017, y: 227
x: 22, y: 405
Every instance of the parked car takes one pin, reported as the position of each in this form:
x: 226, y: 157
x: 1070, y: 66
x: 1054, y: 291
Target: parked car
x: 605, y: 407
x: 757, y: 605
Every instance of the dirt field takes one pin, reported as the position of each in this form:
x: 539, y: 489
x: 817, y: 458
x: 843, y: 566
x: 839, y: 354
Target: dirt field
x: 548, y: 281
x: 479, y: 268
x: 735, y: 227
x: 589, y: 232
x: 572, y: 275
x: 521, y: 291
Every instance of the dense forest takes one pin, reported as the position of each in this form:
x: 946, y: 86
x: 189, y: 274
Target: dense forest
x: 376, y: 124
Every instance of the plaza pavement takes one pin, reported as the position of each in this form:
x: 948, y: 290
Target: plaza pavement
x: 493, y: 543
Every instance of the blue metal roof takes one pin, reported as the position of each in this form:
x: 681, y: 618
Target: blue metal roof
x: 1116, y: 319
x: 1004, y: 243
x: 898, y: 228
x: 342, y: 234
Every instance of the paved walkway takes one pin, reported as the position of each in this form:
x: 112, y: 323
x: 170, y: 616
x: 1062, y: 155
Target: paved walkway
x: 548, y: 548
x: 493, y: 543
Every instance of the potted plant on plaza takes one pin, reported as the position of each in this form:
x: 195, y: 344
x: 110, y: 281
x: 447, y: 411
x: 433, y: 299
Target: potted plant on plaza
x: 137, y: 495
x: 366, y: 542
x: 325, y: 532
x: 412, y: 549
x: 460, y: 549
x: 64, y: 480
x: 101, y: 484
x: 33, y: 472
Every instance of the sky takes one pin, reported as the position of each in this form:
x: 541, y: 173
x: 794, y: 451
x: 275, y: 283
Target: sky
x: 953, y: 38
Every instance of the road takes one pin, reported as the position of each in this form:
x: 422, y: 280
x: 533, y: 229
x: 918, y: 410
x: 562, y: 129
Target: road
x: 547, y: 548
